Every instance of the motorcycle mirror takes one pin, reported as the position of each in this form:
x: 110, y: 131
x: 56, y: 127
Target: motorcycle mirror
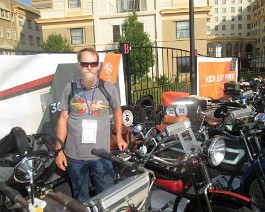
x: 139, y: 131
x: 260, y: 117
x: 151, y: 133
x: 220, y: 112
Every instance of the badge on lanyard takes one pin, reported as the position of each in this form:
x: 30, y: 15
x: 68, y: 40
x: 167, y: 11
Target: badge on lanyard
x: 89, y: 131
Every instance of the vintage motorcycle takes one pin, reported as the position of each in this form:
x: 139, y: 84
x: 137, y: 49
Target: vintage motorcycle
x: 186, y: 174
x: 243, y: 132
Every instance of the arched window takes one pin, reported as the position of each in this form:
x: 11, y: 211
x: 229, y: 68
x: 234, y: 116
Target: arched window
x: 229, y: 50
x: 209, y: 50
x: 249, y: 48
x: 218, y: 50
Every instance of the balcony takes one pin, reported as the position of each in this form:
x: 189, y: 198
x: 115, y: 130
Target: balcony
x: 123, y: 6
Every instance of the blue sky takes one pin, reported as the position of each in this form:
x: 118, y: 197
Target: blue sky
x: 28, y: 2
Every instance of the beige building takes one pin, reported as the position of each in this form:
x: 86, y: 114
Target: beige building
x: 18, y: 29
x: 98, y: 23
x: 229, y: 29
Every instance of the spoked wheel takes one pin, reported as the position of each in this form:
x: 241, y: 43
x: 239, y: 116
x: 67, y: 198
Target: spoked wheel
x: 255, y: 193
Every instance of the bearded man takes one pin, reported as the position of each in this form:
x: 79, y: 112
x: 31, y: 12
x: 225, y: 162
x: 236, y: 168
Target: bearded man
x: 84, y: 125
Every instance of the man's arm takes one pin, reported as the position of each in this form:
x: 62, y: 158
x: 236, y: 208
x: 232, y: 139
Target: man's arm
x: 117, y: 114
x: 62, y: 133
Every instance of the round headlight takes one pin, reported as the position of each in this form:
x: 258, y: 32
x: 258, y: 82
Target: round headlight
x: 216, y: 151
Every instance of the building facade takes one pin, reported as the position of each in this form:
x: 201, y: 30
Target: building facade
x: 98, y: 23
x: 18, y: 29
x: 229, y: 29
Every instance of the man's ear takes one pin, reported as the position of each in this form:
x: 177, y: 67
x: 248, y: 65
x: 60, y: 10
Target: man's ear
x: 78, y: 66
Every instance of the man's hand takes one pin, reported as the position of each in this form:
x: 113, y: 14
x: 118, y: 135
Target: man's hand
x: 61, y: 161
x: 121, y: 143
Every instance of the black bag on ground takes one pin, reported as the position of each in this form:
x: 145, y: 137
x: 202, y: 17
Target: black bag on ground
x: 15, y: 141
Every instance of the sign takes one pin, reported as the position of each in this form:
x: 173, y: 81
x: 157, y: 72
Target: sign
x: 212, y: 73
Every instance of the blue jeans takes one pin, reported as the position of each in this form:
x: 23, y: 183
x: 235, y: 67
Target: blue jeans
x: 79, y: 173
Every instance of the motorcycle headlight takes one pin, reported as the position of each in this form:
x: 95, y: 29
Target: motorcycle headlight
x: 216, y: 151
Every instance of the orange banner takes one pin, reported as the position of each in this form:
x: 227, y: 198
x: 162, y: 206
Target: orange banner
x: 110, y: 68
x: 213, y: 74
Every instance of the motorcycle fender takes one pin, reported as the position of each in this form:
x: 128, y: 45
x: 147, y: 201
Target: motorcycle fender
x: 248, y: 173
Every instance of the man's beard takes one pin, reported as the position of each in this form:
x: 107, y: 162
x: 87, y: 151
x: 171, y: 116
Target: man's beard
x: 89, y: 79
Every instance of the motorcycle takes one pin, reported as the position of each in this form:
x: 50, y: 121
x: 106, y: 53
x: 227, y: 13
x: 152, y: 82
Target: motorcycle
x: 186, y: 174
x: 245, y: 154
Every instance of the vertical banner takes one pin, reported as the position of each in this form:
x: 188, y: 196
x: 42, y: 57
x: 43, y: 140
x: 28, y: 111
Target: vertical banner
x: 110, y: 68
x: 212, y: 73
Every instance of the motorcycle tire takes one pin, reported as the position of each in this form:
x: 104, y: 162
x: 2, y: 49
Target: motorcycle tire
x: 216, y: 207
x: 252, y: 190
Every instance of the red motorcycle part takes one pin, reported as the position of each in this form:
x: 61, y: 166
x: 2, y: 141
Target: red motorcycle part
x: 170, y: 185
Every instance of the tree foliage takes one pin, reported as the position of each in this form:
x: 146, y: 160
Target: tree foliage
x: 133, y: 33
x: 56, y: 43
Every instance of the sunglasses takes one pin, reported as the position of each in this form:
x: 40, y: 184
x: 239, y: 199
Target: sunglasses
x: 86, y: 64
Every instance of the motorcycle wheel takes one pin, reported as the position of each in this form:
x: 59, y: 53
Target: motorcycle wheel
x: 221, y: 205
x: 252, y: 190
x: 216, y: 207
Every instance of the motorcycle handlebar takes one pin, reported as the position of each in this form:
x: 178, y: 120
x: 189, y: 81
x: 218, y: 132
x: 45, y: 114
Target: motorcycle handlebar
x: 13, y: 195
x: 104, y: 154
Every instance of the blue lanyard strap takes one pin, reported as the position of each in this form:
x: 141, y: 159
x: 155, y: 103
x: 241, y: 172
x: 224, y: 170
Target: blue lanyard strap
x: 93, y: 94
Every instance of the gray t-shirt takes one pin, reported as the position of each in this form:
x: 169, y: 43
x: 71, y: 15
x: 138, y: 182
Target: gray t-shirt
x: 94, y: 106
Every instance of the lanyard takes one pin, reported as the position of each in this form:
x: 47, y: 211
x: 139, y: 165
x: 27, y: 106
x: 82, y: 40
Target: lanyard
x: 83, y: 88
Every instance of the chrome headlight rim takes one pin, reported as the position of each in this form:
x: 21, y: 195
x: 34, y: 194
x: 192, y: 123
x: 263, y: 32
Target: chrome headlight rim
x: 216, y: 151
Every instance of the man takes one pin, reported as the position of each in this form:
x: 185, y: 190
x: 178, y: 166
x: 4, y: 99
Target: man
x: 85, y: 125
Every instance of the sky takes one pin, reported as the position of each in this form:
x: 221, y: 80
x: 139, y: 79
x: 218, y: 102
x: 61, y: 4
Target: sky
x: 28, y: 2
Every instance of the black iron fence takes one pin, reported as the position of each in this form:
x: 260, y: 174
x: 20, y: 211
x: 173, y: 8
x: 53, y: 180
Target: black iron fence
x: 154, y: 70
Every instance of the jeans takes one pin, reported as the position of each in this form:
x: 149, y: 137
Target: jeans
x: 79, y: 172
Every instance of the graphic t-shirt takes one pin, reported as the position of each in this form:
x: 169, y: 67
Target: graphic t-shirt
x: 91, y: 105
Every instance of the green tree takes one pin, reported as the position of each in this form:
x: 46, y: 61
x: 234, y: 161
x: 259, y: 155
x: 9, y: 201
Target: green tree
x: 133, y: 33
x: 56, y: 43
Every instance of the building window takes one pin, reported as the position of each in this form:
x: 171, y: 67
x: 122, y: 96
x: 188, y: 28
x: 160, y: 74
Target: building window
x: 183, y: 29
x: 29, y: 24
x: 223, y: 27
x: 116, y: 33
x: 240, y: 9
x: 216, y: 28
x: 239, y: 18
x: 2, y: 13
x: 22, y: 38
x: 232, y: 1
x: 74, y: 3
x: 239, y: 26
x: 248, y: 26
x: 248, y: 17
x: 223, y: 1
x: 216, y: 10
x: 249, y: 8
x: 232, y: 18
x: 31, y: 40
x: 232, y: 9
x: 209, y: 50
x: 37, y: 27
x: 215, y: 19
x: 216, y: 2
x: 223, y: 10
x: 208, y: 29
x: 224, y: 18
x: 232, y: 27
x: 239, y: 1
x: 38, y: 41
x: 77, y: 36
x: 236, y: 49
x: 129, y: 5
x: 218, y: 50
